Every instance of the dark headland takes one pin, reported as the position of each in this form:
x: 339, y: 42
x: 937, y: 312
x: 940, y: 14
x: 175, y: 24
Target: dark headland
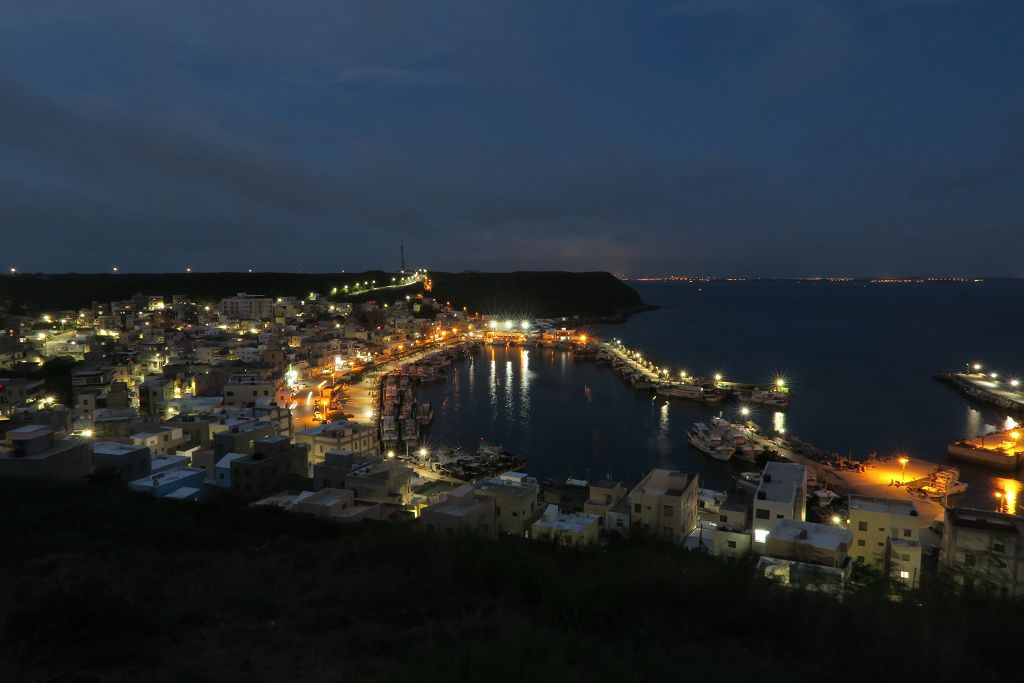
x: 593, y: 296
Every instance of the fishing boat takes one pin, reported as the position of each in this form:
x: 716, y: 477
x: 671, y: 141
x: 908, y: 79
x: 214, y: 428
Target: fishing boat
x: 771, y: 397
x: 739, y: 438
x: 691, y: 392
x: 709, y: 441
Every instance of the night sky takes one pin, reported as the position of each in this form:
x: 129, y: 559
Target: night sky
x: 721, y: 137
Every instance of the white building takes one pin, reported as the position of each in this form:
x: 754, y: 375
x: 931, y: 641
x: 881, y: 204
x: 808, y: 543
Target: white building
x: 244, y: 306
x: 567, y: 528
x: 782, y: 494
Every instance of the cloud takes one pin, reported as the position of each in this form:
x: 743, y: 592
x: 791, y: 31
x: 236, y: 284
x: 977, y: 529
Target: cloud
x: 395, y: 75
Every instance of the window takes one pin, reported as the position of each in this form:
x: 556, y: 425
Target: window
x: 618, y: 522
x: 907, y: 533
x: 905, y: 557
x: 760, y: 535
x: 862, y: 526
x: 860, y: 542
x: 732, y: 544
x: 860, y: 558
x: 780, y: 516
x: 637, y: 509
x: 666, y: 531
x: 723, y: 518
x: 763, y: 514
x: 969, y: 559
x: 999, y: 547
x: 667, y: 510
x: 904, y: 575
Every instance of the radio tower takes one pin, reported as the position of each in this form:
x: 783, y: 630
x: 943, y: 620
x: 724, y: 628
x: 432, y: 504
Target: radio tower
x: 401, y: 249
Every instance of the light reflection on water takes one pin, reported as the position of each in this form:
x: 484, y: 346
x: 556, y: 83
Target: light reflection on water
x: 570, y: 418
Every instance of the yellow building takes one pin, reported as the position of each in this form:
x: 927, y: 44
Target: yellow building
x: 887, y: 536
x: 515, y: 501
x: 604, y: 494
x: 664, y: 503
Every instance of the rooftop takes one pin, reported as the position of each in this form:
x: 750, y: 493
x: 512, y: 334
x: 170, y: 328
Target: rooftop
x: 984, y: 520
x: 890, y: 506
x: 824, y: 536
x: 115, y: 448
x: 568, y: 522
x: 780, y: 481
x: 165, y: 477
x: 329, y: 428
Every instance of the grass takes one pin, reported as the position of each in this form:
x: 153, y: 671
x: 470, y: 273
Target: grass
x: 95, y: 580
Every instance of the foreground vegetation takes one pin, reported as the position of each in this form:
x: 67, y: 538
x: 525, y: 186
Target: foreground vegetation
x: 98, y: 581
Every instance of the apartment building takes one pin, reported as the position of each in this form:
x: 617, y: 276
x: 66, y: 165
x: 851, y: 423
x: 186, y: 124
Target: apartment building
x: 887, y: 537
x: 39, y: 451
x: 369, y: 477
x: 664, y: 503
x: 463, y: 510
x: 244, y: 306
x: 984, y: 551
x: 782, y: 494
x: 604, y: 495
x: 274, y: 465
x: 515, y: 501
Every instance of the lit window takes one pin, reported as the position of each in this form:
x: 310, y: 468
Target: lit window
x: 760, y: 535
x: 904, y: 575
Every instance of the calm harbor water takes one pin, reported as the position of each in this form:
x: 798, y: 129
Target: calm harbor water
x: 859, y: 357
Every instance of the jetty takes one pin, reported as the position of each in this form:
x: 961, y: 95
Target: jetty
x: 989, y: 389
x: 643, y: 373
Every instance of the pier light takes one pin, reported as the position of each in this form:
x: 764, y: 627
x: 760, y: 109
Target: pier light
x: 836, y: 519
x: 583, y: 338
x: 508, y: 324
x: 976, y: 367
x: 87, y: 433
x: 682, y: 373
x: 525, y: 324
x: 745, y: 411
x: 903, y: 464
x: 1015, y: 435
x: 780, y: 382
x: 423, y: 452
x: 994, y: 375
x: 718, y: 377
x: 391, y: 454
x: 1014, y: 382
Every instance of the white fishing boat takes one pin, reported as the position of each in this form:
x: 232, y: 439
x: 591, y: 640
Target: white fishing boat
x: 709, y: 441
x: 691, y: 392
x: 739, y: 438
x: 771, y: 397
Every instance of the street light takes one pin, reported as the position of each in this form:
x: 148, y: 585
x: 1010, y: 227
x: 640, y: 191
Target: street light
x: 903, y: 461
x: 745, y: 411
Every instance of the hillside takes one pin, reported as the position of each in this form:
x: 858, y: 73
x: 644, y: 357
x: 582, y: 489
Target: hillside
x: 95, y: 581
x: 536, y: 294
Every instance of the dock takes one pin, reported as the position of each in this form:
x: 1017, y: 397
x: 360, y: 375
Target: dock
x: 661, y: 376
x: 991, y: 389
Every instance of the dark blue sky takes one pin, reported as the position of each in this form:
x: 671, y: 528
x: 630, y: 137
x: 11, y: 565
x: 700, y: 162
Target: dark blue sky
x: 749, y: 137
